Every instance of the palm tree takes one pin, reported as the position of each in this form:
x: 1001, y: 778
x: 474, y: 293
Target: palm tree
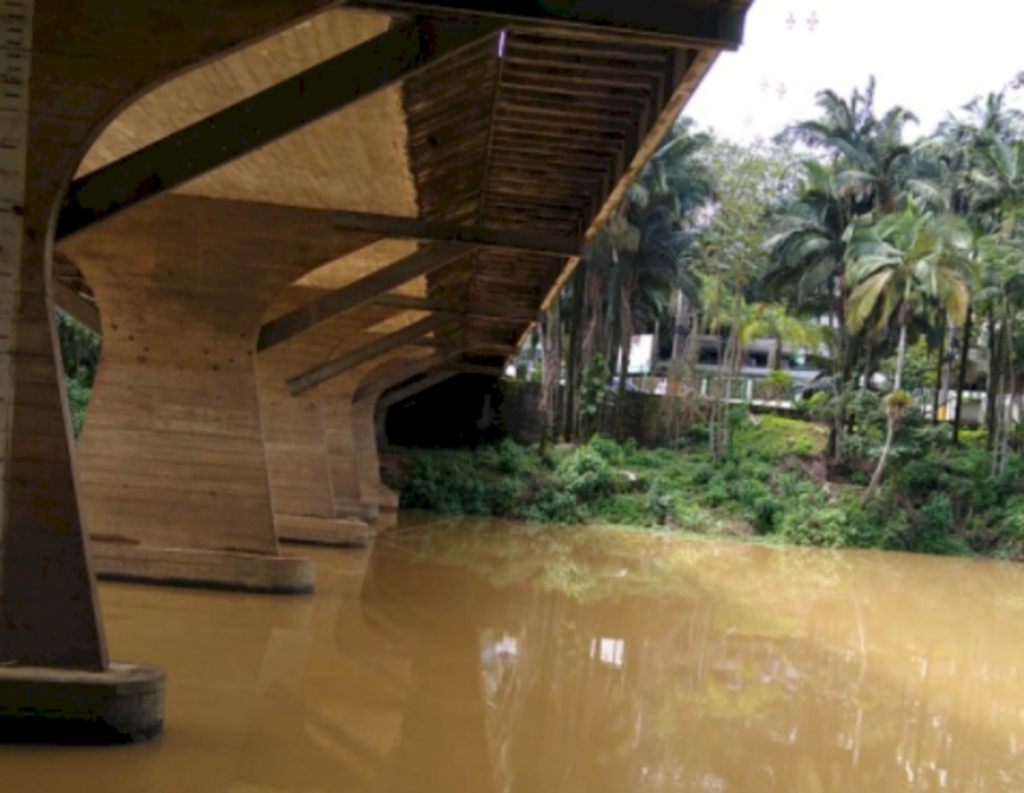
x: 966, y: 147
x: 868, y: 152
x: 903, y: 264
x: 632, y: 267
x: 808, y: 267
x: 772, y: 320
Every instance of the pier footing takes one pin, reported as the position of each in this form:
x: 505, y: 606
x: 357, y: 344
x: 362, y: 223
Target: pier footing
x: 124, y: 704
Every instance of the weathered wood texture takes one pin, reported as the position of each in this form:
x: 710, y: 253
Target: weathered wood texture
x: 353, y: 295
x: 351, y: 437
x: 88, y: 58
x: 269, y: 115
x: 172, y: 452
x: 295, y: 429
x: 703, y: 23
x: 308, y: 169
x: 372, y: 349
x: 413, y: 388
x: 541, y: 137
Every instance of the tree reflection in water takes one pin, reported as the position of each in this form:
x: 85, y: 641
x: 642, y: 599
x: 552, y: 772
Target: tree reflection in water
x: 565, y: 660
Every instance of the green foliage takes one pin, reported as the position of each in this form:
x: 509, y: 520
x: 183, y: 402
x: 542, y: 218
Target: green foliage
x: 815, y: 520
x: 779, y: 383
x: 918, y: 367
x: 78, y: 402
x: 508, y: 457
x: 596, y: 393
x: 660, y: 500
x: 80, y: 353
x: 608, y: 449
x: 587, y: 475
x: 939, y: 498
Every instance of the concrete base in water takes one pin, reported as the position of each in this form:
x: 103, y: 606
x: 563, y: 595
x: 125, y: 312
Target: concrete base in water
x: 346, y: 508
x: 386, y: 519
x: 124, y: 704
x: 232, y: 570
x: 348, y: 532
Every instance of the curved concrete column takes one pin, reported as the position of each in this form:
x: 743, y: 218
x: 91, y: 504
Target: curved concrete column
x: 173, y: 470
x: 351, y: 458
x: 364, y: 394
x: 295, y: 429
x: 79, y: 61
x: 371, y: 487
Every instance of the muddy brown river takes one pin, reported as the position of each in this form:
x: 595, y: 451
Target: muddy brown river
x: 481, y: 657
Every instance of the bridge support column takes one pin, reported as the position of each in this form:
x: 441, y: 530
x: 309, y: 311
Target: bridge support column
x: 295, y: 439
x: 172, y: 463
x: 346, y: 461
x: 352, y: 442
x: 371, y: 486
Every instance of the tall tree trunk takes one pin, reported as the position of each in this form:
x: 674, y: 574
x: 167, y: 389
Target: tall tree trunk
x: 574, y: 358
x: 625, y: 345
x: 552, y: 371
x: 839, y: 336
x: 876, y: 477
x: 680, y: 326
x: 901, y: 357
x: 893, y: 414
x: 1005, y: 394
x: 593, y: 338
x: 993, y: 385
x: 940, y: 369
x: 869, y: 360
x: 962, y: 374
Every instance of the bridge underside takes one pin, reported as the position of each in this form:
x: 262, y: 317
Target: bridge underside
x: 281, y: 216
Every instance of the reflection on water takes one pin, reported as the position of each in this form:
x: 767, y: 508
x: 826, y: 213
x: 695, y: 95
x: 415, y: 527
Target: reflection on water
x: 482, y: 657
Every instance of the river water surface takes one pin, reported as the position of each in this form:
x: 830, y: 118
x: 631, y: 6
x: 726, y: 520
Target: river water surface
x: 477, y: 657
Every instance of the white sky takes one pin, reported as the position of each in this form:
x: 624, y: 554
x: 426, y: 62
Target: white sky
x: 931, y: 56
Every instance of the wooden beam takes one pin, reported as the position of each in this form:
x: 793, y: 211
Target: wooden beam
x: 368, y: 352
x: 473, y: 311
x: 358, y: 293
x: 675, y: 22
x: 492, y: 348
x: 684, y: 71
x: 475, y: 368
x: 254, y: 122
x: 413, y: 388
x: 426, y: 231
x: 394, y: 374
x: 72, y: 303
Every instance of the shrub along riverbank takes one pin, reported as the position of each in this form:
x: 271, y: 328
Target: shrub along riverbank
x: 774, y: 486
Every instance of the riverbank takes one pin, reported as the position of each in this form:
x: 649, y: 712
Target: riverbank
x: 774, y: 486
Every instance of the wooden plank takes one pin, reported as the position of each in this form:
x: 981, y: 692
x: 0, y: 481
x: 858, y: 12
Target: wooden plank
x: 265, y: 117
x: 646, y: 60
x: 592, y: 120
x: 684, y: 73
x: 423, y: 230
x: 678, y: 22
x: 358, y: 293
x: 375, y: 349
x: 570, y: 78
x: 492, y: 347
x: 521, y: 42
x: 569, y: 100
x: 72, y: 303
x: 475, y: 368
x: 474, y: 310
x: 393, y: 374
x: 415, y: 387
x: 620, y: 95
x: 525, y: 156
